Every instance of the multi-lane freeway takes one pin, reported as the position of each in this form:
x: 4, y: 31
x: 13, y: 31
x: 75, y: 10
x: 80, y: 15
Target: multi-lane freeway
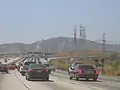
x: 58, y: 81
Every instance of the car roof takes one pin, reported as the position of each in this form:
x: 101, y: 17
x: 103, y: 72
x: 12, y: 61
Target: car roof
x: 3, y: 64
x: 85, y: 64
x: 77, y: 63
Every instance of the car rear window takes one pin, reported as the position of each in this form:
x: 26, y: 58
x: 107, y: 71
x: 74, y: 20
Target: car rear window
x: 73, y: 65
x: 86, y: 67
x: 28, y: 63
x: 33, y: 66
x: 3, y: 65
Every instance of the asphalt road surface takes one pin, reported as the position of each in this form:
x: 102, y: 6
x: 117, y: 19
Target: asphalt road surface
x: 58, y: 81
x: 14, y: 81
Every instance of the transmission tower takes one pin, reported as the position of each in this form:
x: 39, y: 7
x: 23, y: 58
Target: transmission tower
x: 82, y: 43
x: 84, y: 33
x: 75, y: 35
x: 74, y: 42
x: 81, y: 32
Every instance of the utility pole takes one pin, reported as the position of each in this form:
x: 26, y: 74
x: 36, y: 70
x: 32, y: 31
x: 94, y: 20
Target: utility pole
x: 75, y: 35
x: 104, y: 44
x: 103, y: 50
x: 82, y: 42
x: 74, y: 43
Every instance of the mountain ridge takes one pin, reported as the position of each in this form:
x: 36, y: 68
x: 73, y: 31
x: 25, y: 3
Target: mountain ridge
x: 56, y: 44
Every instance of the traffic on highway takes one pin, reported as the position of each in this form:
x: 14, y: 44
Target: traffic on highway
x: 34, y: 73
x: 59, y: 45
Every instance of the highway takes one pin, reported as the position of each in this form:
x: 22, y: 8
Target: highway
x: 58, y: 81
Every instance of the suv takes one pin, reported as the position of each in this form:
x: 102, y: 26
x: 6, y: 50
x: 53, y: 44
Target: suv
x: 84, y: 71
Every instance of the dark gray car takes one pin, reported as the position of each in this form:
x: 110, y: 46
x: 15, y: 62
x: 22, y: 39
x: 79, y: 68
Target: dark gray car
x: 37, y: 71
x: 3, y: 68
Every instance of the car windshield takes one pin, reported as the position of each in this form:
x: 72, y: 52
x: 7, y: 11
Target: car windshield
x: 12, y: 64
x: 73, y: 64
x: 85, y: 67
x: 35, y: 66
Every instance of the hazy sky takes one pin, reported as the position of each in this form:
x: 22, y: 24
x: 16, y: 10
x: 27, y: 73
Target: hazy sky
x: 31, y: 20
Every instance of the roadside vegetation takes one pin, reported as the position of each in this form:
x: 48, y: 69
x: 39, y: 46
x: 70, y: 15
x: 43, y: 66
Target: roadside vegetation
x: 111, y: 65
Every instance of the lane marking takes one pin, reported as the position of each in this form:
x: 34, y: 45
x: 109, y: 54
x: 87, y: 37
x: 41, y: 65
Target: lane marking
x: 21, y: 81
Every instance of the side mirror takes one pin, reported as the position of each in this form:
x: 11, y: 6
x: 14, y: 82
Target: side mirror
x: 72, y: 68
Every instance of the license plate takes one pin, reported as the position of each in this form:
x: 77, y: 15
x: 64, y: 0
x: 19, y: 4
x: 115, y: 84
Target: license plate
x: 89, y: 72
x: 39, y: 71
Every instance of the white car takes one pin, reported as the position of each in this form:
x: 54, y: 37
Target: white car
x: 21, y: 69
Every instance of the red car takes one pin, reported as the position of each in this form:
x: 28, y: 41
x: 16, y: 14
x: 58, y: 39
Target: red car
x: 11, y: 66
x: 84, y: 71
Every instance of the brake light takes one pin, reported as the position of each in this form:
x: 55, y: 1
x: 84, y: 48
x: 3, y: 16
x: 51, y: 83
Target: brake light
x: 46, y: 70
x: 31, y: 70
x: 97, y: 72
x: 81, y: 71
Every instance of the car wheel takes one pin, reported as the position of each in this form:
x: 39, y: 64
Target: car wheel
x: 28, y: 78
x: 7, y: 72
x: 87, y: 79
x: 95, y: 79
x: 22, y: 74
x: 47, y: 79
x: 70, y: 76
x: 76, y: 78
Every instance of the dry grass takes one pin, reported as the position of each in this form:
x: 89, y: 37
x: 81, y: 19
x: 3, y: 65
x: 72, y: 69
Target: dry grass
x: 108, y: 68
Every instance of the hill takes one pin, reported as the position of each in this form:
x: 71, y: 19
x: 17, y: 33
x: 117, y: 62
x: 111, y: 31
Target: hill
x: 59, y: 44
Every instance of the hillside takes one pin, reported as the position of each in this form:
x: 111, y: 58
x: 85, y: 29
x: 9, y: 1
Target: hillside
x: 63, y: 44
x: 59, y: 44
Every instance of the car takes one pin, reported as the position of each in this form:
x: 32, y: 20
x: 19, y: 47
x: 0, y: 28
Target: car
x: 52, y: 68
x: 11, y: 66
x: 18, y: 66
x: 5, y: 60
x: 25, y: 67
x: 84, y: 71
x: 3, y: 68
x: 37, y: 71
x: 72, y: 66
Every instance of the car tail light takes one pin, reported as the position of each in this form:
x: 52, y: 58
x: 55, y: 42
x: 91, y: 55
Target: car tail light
x: 46, y: 70
x: 97, y: 72
x: 31, y: 70
x: 81, y: 71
